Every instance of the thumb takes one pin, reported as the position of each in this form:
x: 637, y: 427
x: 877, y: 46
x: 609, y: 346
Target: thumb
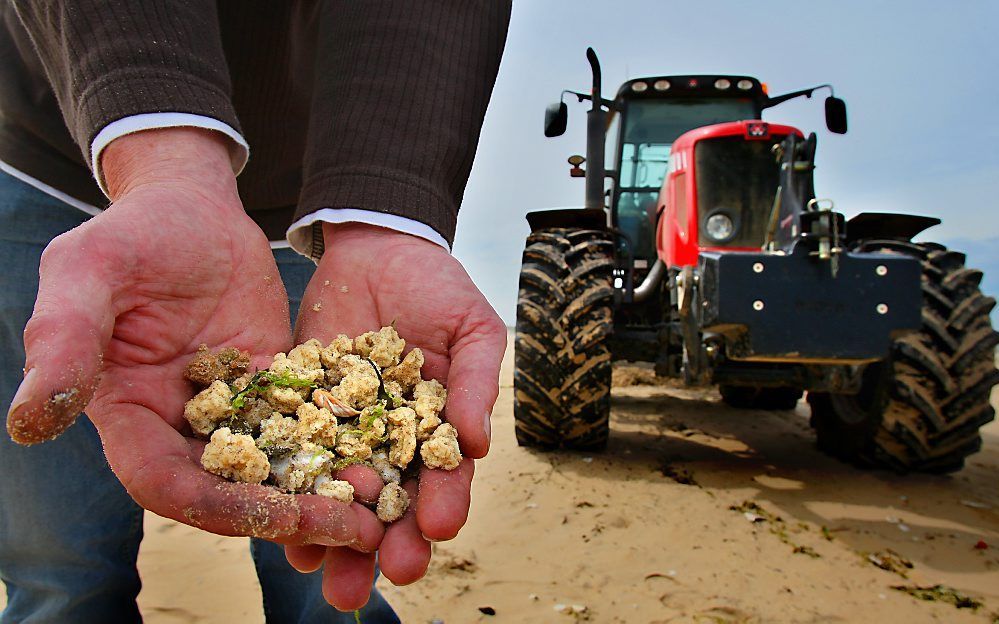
x: 64, y: 340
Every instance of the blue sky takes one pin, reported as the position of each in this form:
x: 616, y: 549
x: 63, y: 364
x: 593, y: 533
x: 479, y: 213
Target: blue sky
x: 919, y: 79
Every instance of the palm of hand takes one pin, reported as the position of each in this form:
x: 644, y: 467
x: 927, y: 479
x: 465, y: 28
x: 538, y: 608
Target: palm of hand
x: 368, y: 278
x: 124, y: 302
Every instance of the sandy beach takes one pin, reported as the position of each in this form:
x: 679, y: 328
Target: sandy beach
x: 696, y: 513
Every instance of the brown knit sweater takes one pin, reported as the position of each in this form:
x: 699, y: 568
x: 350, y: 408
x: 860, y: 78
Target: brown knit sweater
x: 370, y: 104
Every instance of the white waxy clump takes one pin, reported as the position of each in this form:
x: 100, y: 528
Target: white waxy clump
x: 392, y: 502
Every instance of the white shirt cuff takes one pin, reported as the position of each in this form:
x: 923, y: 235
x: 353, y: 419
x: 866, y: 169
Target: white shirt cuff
x: 301, y: 234
x: 239, y: 150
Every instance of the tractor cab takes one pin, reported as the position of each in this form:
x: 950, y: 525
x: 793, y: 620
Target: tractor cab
x: 637, y: 130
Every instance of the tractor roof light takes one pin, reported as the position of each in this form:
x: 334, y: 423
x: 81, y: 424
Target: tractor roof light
x: 723, y: 83
x: 639, y: 87
x: 661, y: 85
x: 744, y: 84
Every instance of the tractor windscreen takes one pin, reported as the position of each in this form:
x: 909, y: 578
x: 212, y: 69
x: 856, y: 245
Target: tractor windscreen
x: 736, y: 184
x: 650, y: 127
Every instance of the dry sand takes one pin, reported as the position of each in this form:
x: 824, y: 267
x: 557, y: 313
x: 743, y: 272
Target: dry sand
x: 646, y: 532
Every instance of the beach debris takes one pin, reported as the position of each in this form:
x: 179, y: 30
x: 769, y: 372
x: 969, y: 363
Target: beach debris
x: 756, y: 514
x: 981, y: 545
x: 891, y: 561
x: 940, y: 593
x: 580, y: 611
x: 487, y: 610
x: 319, y: 409
x: 678, y: 474
x: 975, y: 504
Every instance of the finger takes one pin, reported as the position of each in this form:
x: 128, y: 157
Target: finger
x: 163, y: 474
x: 445, y: 497
x: 405, y: 554
x: 367, y: 484
x: 321, y: 522
x: 63, y: 341
x: 347, y: 578
x: 307, y: 558
x: 473, y: 382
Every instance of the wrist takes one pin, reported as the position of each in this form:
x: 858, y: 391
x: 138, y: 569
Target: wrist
x: 175, y: 156
x: 356, y: 230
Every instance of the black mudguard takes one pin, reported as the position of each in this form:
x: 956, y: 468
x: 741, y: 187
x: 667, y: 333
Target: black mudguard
x: 887, y: 225
x: 586, y: 219
x: 790, y: 308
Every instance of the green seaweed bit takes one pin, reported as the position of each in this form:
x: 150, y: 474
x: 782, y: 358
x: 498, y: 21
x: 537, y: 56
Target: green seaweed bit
x: 342, y: 463
x: 940, y: 593
x: 357, y: 616
x: 264, y: 378
x: 376, y: 412
x: 806, y: 550
x: 317, y: 455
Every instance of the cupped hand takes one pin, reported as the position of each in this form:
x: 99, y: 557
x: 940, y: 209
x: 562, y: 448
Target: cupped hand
x: 124, y: 302
x: 370, y: 277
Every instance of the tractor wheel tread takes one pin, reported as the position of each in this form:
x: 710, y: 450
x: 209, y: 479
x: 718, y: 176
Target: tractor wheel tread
x: 562, y: 358
x: 939, y: 378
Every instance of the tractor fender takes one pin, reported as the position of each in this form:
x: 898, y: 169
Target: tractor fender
x: 871, y: 225
x: 586, y: 219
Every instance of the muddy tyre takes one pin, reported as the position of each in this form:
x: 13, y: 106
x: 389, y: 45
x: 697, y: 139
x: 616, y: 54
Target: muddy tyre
x: 748, y: 397
x: 922, y: 410
x: 562, y: 360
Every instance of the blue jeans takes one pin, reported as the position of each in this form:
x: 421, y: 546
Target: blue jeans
x: 69, y: 533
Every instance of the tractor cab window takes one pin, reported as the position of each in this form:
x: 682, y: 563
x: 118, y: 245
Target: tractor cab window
x: 650, y: 127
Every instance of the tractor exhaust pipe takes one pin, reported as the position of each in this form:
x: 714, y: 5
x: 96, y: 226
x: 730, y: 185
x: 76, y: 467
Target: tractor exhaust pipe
x: 651, y: 282
x: 595, y: 139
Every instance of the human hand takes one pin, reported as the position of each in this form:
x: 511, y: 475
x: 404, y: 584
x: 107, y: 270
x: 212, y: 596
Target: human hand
x: 124, y: 301
x: 394, y: 277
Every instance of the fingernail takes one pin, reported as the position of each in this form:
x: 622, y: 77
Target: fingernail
x: 487, y: 427
x: 23, y: 394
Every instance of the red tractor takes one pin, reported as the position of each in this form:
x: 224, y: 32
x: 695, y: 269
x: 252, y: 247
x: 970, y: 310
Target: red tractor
x: 704, y: 250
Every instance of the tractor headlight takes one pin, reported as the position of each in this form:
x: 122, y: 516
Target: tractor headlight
x: 719, y: 227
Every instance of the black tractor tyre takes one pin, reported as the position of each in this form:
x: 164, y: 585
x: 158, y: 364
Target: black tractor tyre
x: 922, y: 409
x: 562, y: 359
x: 749, y: 397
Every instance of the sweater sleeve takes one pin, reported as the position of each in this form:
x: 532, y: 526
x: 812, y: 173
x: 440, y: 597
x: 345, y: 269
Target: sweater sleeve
x: 401, y: 89
x: 108, y: 60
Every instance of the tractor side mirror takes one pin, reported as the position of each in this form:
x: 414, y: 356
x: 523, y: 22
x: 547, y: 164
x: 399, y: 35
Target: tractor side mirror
x: 836, y: 115
x: 556, y: 119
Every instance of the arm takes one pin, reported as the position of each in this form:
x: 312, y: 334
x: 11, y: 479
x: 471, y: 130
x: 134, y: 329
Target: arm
x: 393, y: 132
x: 125, y: 299
x: 400, y: 96
x: 113, y: 66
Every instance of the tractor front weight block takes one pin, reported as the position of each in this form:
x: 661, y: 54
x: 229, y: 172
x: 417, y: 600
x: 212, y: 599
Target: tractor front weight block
x: 795, y: 308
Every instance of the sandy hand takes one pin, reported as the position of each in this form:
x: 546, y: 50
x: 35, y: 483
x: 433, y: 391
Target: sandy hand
x: 371, y: 277
x: 124, y: 301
